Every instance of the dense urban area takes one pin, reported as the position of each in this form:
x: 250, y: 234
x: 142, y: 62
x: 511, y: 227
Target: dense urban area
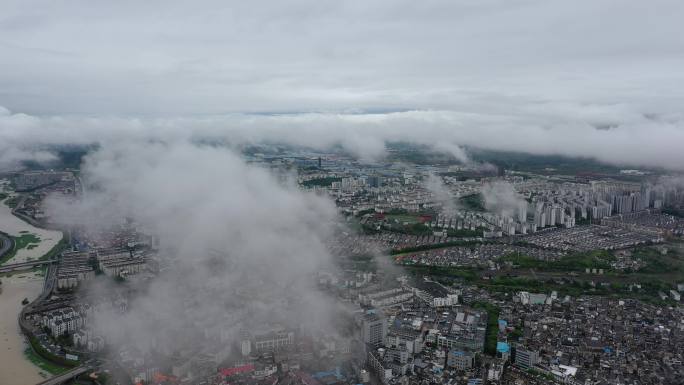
x: 447, y: 274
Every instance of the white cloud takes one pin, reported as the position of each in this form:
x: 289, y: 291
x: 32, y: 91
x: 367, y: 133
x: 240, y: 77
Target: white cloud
x: 240, y: 249
x: 176, y: 58
x: 521, y: 75
x: 548, y: 128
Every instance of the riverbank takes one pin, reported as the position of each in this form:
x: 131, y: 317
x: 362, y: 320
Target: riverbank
x: 17, y: 368
x: 15, y: 227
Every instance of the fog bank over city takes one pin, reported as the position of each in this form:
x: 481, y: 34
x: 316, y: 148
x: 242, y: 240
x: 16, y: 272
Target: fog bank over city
x: 501, y: 198
x: 238, y: 248
x: 631, y: 140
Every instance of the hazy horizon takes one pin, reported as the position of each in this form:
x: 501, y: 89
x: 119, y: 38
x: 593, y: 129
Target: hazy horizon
x: 597, y: 79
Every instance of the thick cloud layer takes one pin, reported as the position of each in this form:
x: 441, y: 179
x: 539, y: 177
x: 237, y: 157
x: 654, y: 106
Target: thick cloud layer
x: 608, y: 133
x: 596, y: 78
x: 239, y: 249
x: 215, y: 56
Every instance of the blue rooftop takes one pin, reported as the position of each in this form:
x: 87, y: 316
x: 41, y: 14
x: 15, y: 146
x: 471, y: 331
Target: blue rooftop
x: 502, y: 347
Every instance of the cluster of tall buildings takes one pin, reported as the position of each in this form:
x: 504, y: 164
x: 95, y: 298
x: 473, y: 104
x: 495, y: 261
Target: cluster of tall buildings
x: 568, y: 203
x: 550, y: 214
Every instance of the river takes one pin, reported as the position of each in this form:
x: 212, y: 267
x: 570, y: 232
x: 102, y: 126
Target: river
x: 15, y: 369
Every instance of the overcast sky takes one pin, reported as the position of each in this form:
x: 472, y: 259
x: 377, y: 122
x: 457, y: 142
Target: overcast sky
x: 552, y: 65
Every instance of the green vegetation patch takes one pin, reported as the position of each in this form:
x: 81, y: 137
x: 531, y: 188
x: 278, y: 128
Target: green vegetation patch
x: 575, y: 288
x: 465, y: 233
x: 323, y: 182
x: 25, y: 240
x: 13, y: 201
x: 403, y: 222
x: 473, y: 202
x: 46, y: 355
x: 462, y: 273
x: 404, y: 218
x: 44, y: 364
x: 21, y: 242
x: 516, y: 334
x: 657, y: 262
x: 492, y: 332
x: 677, y: 212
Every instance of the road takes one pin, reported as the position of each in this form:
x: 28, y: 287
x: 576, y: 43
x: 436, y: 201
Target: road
x: 24, y: 324
x: 48, y: 287
x: 7, y: 244
x: 25, y: 265
x: 58, y: 380
x: 26, y: 327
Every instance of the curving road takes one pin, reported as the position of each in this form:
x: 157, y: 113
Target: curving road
x: 7, y: 244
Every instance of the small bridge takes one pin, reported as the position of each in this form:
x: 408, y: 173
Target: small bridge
x: 64, y: 377
x: 25, y: 265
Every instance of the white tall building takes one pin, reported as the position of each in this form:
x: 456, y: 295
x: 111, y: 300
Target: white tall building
x: 522, y: 212
x: 374, y: 329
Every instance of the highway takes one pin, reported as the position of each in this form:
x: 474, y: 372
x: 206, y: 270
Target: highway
x: 25, y: 265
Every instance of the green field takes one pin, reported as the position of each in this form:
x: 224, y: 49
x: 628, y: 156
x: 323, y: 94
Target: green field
x: 43, y: 364
x: 670, y: 263
x: 24, y: 241
x: 567, y: 276
x: 405, y: 223
x: 403, y: 218
x: 473, y: 202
